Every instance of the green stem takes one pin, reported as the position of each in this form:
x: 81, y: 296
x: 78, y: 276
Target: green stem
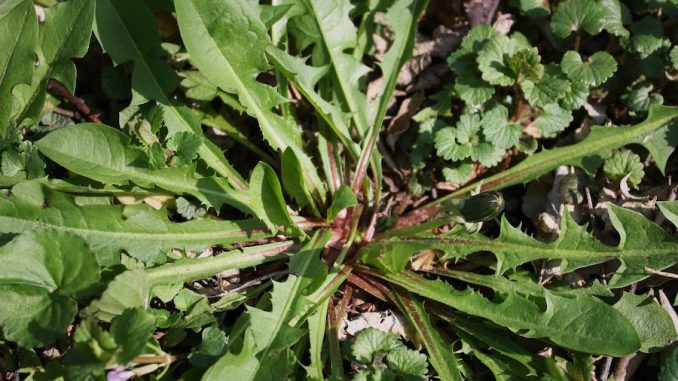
x: 194, y: 269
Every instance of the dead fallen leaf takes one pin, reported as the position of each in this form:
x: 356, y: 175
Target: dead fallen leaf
x: 480, y: 11
x: 402, y: 120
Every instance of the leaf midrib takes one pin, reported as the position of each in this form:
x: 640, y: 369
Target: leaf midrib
x: 169, y: 236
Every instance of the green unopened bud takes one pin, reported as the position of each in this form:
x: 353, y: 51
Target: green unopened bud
x: 483, y: 207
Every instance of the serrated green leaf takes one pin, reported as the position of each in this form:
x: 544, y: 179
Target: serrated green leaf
x: 408, y: 363
x: 576, y: 97
x: 185, y: 145
x: 42, y: 272
x: 456, y: 143
x: 526, y: 65
x: 337, y: 35
x: 131, y: 331
x: 265, y: 351
x: 641, y: 97
x: 473, y: 90
x: 189, y: 210
x: 65, y: 34
x: 487, y: 154
x: 650, y: 247
x: 498, y: 130
x: 552, y: 86
x: 211, y: 41
x: 105, y: 154
x: 306, y: 77
x: 493, y: 60
x: 647, y: 36
x: 577, y: 15
x: 129, y: 289
x: 653, y: 324
x: 371, y: 342
x: 622, y: 163
x: 447, y: 147
x: 139, y: 230
x: 572, y: 323
x: 598, y: 68
x: 18, y: 37
x: 458, y: 175
x: 553, y: 120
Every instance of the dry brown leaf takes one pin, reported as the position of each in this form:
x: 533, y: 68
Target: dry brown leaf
x: 402, y: 120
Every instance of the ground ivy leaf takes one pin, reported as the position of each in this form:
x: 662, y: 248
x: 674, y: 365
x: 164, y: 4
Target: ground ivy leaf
x: 617, y: 15
x: 477, y: 37
x: 473, y: 90
x: 493, y: 60
x: 371, y: 342
x: 41, y: 273
x: 653, y: 324
x: 552, y: 86
x: 674, y: 57
x: 598, y: 68
x: 408, y: 363
x: 576, y: 97
x: 487, y: 154
x: 186, y: 145
x: 647, y: 36
x: 189, y: 210
x: 641, y: 97
x: 553, y: 120
x: 622, y: 163
x: 526, y: 65
x: 498, y: 130
x: 127, y: 290
x: 577, y: 15
x: 460, y: 174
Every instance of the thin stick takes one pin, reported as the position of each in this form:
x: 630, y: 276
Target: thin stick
x: 662, y: 273
x: 57, y: 88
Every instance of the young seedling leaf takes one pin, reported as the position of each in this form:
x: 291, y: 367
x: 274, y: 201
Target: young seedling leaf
x: 498, y: 130
x: 622, y: 163
x: 552, y: 86
x: 553, y: 120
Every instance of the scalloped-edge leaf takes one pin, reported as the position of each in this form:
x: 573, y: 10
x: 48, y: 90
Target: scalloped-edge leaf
x: 594, y: 72
x: 577, y: 15
x: 108, y: 229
